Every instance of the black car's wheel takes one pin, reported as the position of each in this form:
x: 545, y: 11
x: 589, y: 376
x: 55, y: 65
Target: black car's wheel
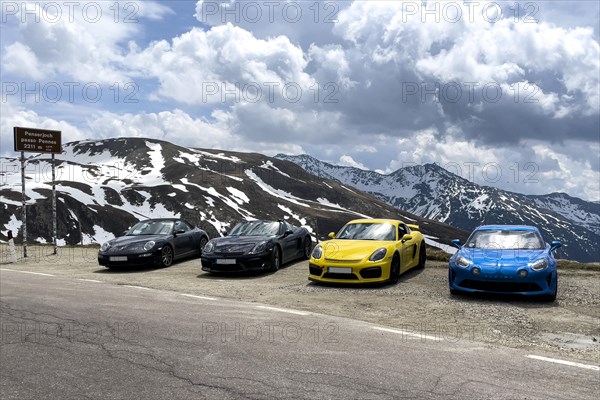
x: 203, y: 241
x: 394, y: 270
x: 422, y: 256
x: 166, y: 256
x: 275, y: 259
x: 307, y: 248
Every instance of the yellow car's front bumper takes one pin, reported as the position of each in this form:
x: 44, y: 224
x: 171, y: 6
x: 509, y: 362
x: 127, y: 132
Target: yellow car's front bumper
x: 371, y: 272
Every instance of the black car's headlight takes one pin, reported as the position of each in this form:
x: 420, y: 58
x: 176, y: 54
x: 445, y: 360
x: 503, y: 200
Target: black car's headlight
x: 539, y: 265
x: 105, y: 246
x: 209, y: 247
x: 317, y: 252
x: 149, y: 245
x: 463, y: 262
x: 378, y: 255
x: 259, y: 248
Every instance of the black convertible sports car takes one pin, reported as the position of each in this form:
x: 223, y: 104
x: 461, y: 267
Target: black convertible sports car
x: 154, y: 241
x: 256, y: 245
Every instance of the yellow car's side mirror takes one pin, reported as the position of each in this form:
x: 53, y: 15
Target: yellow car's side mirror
x: 406, y: 238
x: 331, y: 235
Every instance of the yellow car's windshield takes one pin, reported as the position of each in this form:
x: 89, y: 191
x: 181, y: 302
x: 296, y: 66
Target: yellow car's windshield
x: 368, y: 231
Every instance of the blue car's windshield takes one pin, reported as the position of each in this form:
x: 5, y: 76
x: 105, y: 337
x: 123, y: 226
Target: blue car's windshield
x: 255, y: 228
x: 368, y: 231
x: 151, y: 228
x: 505, y: 240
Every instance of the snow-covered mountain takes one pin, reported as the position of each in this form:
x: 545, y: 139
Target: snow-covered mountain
x: 105, y: 186
x: 433, y: 192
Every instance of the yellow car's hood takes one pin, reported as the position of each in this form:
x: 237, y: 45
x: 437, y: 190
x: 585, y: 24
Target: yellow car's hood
x: 340, y: 249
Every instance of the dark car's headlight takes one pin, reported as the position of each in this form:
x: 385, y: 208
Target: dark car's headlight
x: 539, y: 265
x: 105, y: 246
x: 259, y: 248
x: 378, y: 255
x: 463, y: 262
x: 209, y: 247
x: 317, y: 252
x: 149, y: 245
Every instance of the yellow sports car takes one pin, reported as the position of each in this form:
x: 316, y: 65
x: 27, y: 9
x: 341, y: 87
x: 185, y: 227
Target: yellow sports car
x: 368, y: 250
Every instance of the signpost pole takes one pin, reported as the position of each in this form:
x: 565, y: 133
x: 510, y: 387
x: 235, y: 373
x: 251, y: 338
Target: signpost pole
x: 24, y: 204
x: 54, y: 203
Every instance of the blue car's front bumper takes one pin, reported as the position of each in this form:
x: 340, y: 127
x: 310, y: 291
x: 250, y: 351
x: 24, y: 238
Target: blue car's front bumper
x: 494, y: 279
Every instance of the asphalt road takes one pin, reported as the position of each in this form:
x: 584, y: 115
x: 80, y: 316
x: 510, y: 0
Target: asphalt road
x: 67, y: 338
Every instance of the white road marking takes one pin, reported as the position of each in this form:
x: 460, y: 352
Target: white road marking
x: 89, y: 280
x: 26, y: 272
x: 564, y: 362
x: 198, y: 297
x: 136, y: 287
x: 406, y: 333
x: 283, y: 310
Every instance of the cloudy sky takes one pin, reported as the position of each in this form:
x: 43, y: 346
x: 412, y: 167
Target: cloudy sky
x: 502, y: 93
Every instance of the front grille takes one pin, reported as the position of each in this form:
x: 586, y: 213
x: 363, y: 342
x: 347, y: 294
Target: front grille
x: 336, y: 275
x: 508, y: 287
x: 370, y: 273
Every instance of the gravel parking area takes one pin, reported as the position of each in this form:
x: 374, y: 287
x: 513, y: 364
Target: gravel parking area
x: 420, y: 302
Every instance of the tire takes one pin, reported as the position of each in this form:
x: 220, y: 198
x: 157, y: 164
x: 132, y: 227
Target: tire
x: 203, y: 241
x: 422, y: 256
x: 275, y: 259
x: 549, y: 298
x: 166, y: 256
x: 394, y: 270
x: 307, y: 248
x: 454, y: 292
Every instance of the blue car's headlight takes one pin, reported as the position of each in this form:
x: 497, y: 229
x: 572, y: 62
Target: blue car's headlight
x: 463, y: 262
x: 259, y: 248
x: 209, y: 247
x: 378, y: 255
x: 149, y: 245
x: 317, y: 252
x: 539, y: 265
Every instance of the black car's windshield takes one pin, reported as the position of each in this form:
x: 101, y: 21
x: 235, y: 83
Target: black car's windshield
x: 368, y: 231
x: 255, y: 228
x: 505, y: 240
x: 151, y: 228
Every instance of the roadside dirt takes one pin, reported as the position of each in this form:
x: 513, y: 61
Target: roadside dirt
x: 419, y: 303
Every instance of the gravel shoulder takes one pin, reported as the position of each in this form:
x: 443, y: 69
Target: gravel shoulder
x: 420, y: 302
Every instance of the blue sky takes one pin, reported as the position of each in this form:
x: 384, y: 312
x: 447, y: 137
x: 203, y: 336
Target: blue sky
x: 506, y: 96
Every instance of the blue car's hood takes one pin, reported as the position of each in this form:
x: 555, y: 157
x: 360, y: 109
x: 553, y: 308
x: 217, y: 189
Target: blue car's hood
x: 501, y: 257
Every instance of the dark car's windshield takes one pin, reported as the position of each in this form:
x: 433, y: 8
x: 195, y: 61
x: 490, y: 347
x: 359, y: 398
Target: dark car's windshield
x: 151, y: 228
x: 368, y: 231
x: 255, y: 228
x: 505, y: 240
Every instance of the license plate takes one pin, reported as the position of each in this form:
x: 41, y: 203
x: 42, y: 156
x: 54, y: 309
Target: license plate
x: 226, y: 261
x: 337, y: 270
x: 117, y: 259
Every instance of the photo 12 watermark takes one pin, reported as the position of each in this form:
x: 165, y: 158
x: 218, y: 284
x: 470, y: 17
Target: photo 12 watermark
x: 70, y: 92
x: 53, y: 12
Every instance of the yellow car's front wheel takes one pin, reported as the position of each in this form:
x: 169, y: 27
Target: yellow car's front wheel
x: 394, y: 269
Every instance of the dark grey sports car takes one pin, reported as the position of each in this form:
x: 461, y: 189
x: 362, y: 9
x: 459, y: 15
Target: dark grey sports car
x: 154, y: 241
x: 256, y: 245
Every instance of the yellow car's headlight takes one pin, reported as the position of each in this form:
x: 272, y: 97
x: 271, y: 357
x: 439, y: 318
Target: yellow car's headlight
x: 378, y: 255
x: 317, y: 252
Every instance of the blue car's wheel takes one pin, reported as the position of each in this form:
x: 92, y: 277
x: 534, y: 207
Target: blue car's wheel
x: 551, y: 297
x: 166, y: 256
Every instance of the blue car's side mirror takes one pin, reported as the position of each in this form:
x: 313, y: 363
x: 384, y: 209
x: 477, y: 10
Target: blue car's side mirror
x: 456, y: 243
x: 555, y: 245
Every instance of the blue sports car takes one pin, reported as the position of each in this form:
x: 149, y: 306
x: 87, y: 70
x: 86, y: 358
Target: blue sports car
x: 505, y: 259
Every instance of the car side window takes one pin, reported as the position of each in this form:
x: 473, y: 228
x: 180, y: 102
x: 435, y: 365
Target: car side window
x: 402, y: 230
x: 181, y: 226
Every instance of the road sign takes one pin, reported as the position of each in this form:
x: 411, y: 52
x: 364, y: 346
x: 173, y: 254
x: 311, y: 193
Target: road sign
x: 35, y: 140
